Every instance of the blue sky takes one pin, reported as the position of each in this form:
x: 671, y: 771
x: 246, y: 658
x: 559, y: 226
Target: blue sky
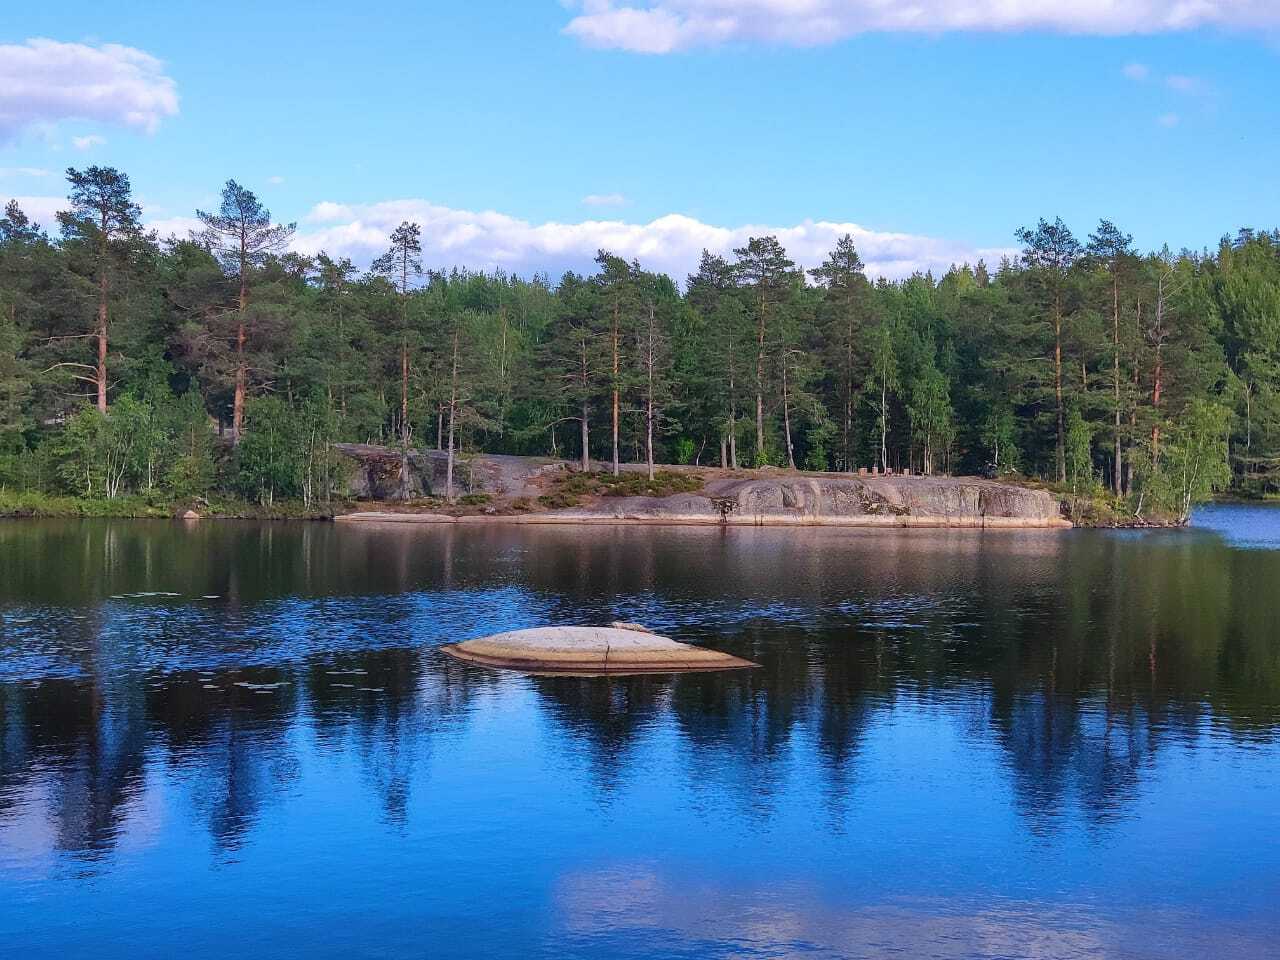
x: 946, y: 138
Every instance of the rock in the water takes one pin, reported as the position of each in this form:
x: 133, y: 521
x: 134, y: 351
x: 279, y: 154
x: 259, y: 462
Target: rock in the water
x: 590, y: 651
x: 623, y: 625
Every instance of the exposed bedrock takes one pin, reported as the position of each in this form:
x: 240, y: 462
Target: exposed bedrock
x: 375, y: 473
x: 870, y: 501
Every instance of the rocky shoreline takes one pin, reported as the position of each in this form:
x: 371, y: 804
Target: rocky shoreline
x: 778, y: 498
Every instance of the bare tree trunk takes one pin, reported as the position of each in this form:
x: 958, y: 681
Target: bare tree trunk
x: 586, y: 382
x: 1117, y: 469
x: 848, y: 397
x: 615, y: 397
x: 760, y: 386
x: 102, y: 340
x: 404, y: 390
x: 1157, y: 386
x: 733, y: 409
x: 650, y: 361
x: 786, y: 416
x: 453, y: 410
x: 884, y: 421
x: 237, y: 403
x: 1061, y: 450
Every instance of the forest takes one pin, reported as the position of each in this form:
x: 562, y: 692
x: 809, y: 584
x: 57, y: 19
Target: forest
x: 224, y: 363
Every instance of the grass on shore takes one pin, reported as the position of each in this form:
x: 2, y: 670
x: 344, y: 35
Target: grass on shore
x: 17, y: 504
x: 569, y: 489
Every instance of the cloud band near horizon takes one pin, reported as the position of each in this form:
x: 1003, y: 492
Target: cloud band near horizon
x: 666, y: 26
x: 488, y: 240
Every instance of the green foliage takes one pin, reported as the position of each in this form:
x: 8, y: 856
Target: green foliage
x: 1021, y: 366
x: 1193, y: 466
x: 999, y: 436
x: 1079, y: 451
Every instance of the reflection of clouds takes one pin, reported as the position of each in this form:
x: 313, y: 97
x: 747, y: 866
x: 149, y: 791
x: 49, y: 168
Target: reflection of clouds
x: 28, y: 833
x: 623, y: 904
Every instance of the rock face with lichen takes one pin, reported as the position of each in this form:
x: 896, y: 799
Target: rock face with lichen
x: 844, y: 500
x: 761, y: 497
x: 375, y: 473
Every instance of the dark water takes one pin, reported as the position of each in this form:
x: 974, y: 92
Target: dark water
x: 236, y: 740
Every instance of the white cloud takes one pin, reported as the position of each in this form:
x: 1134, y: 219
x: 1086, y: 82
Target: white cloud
x: 1168, y: 119
x: 661, y: 26
x: 275, y: 181
x: 43, y: 210
x: 604, y: 200
x: 180, y: 227
x: 1182, y: 83
x: 7, y: 172
x: 673, y: 243
x: 489, y: 240
x: 1137, y: 71
x: 43, y: 81
x: 88, y: 142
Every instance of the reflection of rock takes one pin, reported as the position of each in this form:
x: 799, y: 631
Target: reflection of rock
x: 590, y: 650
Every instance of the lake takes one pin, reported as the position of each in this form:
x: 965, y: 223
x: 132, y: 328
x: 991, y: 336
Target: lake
x: 225, y: 740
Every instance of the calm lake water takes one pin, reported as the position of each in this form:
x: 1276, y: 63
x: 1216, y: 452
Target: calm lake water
x: 234, y: 740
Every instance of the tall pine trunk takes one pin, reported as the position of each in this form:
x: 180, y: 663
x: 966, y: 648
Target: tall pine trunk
x: 102, y: 341
x: 650, y: 363
x: 786, y: 416
x: 760, y: 452
x: 1117, y: 484
x: 848, y: 397
x: 237, y: 403
x: 586, y: 433
x: 615, y: 397
x: 453, y: 410
x: 1061, y: 448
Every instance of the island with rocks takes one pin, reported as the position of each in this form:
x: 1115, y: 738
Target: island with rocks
x: 387, y: 487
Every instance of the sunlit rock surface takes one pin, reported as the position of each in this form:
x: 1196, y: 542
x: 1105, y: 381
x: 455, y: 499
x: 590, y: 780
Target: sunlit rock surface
x: 842, y: 501
x: 591, y: 651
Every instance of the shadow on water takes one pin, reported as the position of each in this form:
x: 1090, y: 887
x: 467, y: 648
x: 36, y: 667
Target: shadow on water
x: 160, y: 682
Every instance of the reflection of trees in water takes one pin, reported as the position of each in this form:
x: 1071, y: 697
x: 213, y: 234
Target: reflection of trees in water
x: 387, y: 705
x: 84, y: 752
x: 84, y: 749
x: 605, y: 715
x: 1081, y: 656
x: 1093, y: 652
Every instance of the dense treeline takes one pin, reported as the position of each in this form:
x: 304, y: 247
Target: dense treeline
x: 131, y: 363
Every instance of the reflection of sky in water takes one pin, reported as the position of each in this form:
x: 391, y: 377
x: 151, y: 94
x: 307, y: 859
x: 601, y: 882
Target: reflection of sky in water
x: 1248, y: 526
x: 1043, y: 746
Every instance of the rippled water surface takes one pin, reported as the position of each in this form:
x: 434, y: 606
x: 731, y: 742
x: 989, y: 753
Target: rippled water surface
x: 229, y: 740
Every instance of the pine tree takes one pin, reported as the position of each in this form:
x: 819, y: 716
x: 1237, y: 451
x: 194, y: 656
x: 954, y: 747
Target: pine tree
x: 844, y: 281
x: 401, y: 264
x: 1050, y: 251
x: 103, y: 223
x: 764, y: 271
x: 242, y: 236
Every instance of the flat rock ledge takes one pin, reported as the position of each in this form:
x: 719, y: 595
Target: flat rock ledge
x: 591, y: 651
x: 801, y: 500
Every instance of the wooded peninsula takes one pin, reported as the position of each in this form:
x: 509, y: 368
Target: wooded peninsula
x: 225, y: 365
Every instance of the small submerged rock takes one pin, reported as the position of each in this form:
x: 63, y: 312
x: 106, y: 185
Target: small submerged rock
x: 591, y: 651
